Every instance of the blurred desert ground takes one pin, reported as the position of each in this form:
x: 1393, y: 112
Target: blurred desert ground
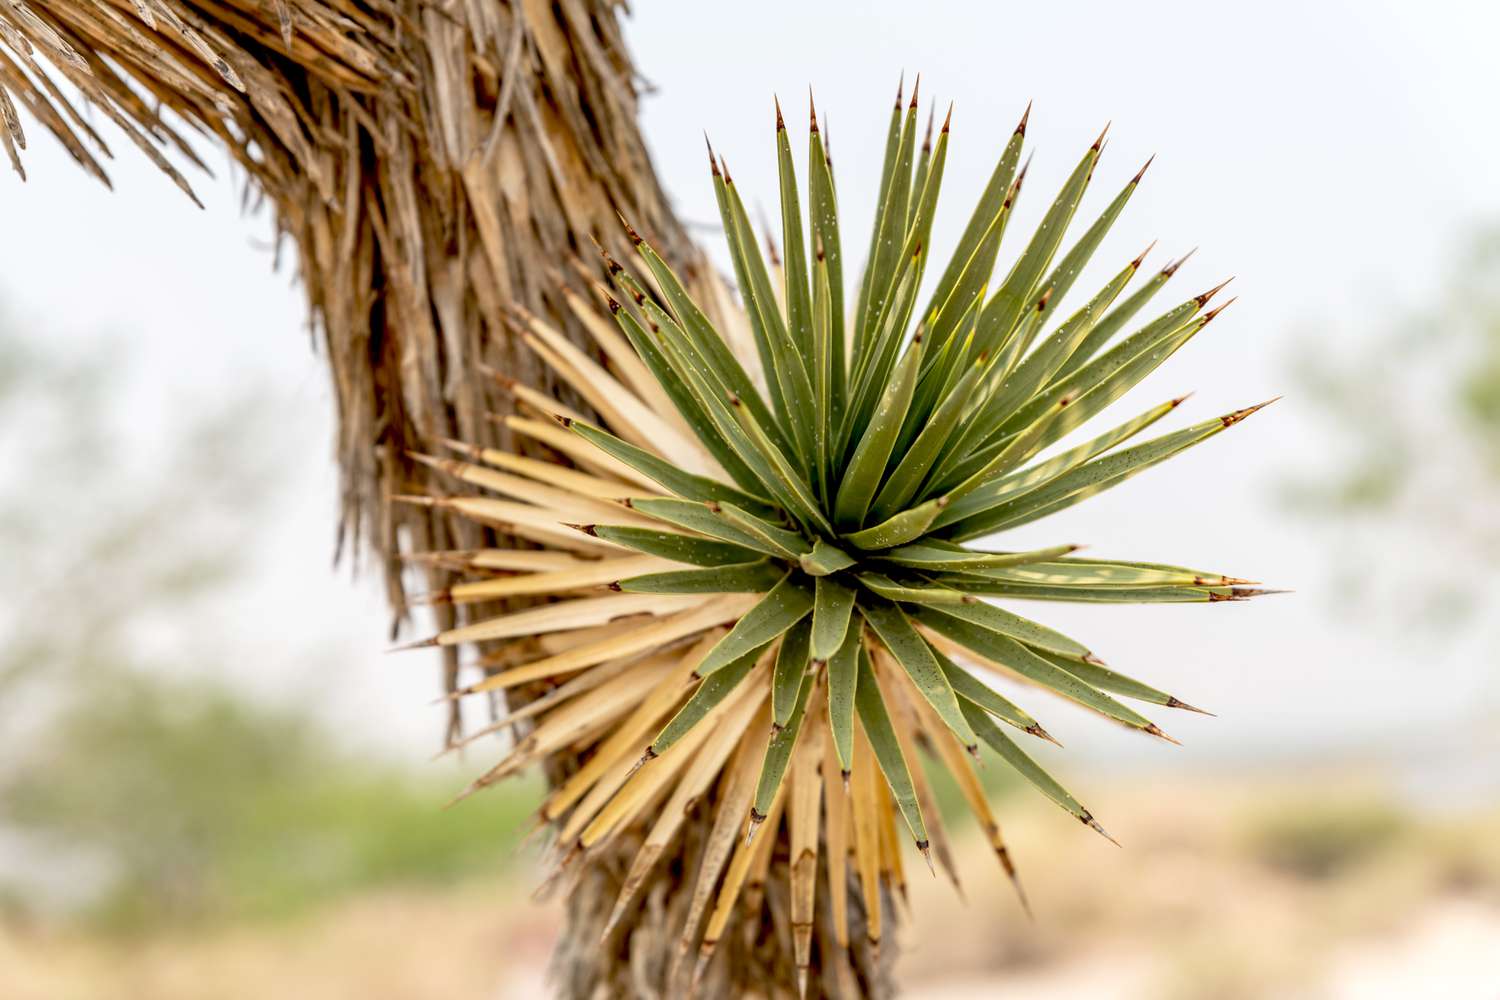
x: 213, y: 782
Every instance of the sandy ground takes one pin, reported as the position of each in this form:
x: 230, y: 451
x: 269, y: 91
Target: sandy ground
x: 1193, y: 907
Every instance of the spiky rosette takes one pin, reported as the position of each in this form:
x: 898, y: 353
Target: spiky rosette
x: 782, y: 508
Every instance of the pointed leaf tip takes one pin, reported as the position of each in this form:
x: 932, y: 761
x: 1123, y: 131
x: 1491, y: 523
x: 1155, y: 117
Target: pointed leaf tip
x: 1142, y: 172
x: 1173, y: 265
x: 1208, y: 316
x: 1099, y: 142
x: 1025, y: 117
x: 1089, y: 821
x: 427, y: 643
x: 1140, y: 259
x: 926, y: 849
x: 948, y: 118
x: 1202, y: 299
x: 780, y: 123
x: 1155, y: 730
x: 812, y: 111
x: 1230, y: 419
x: 915, y: 89
x: 1179, y: 703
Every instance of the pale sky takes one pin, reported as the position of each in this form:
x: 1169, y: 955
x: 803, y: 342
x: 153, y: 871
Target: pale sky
x: 1326, y: 154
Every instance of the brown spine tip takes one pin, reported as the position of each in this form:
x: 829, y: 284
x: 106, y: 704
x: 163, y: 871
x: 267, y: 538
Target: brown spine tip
x: 1208, y: 316
x: 812, y: 112
x: 1173, y: 265
x: 926, y: 850
x: 900, y: 85
x: 948, y: 118
x: 818, y: 246
x: 734, y: 399
x: 713, y: 505
x: 565, y: 421
x: 1230, y: 419
x: 1202, y: 299
x: 1041, y: 303
x: 756, y: 819
x: 1181, y: 399
x: 1155, y: 730
x: 1179, y: 703
x: 427, y: 643
x: 1099, y: 142
x: 780, y: 123
x: 615, y: 586
x: 713, y: 164
x: 1091, y: 658
x: 646, y: 757
x: 1089, y: 821
x: 973, y: 750
x: 724, y: 166
x: 1142, y: 172
x: 844, y: 776
x: 614, y: 306
x: 1036, y: 730
x: 1025, y: 117
x: 1140, y: 259
x: 587, y: 529
x: 915, y: 89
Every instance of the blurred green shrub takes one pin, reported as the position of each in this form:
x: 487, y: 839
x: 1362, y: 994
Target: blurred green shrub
x: 205, y: 806
x: 144, y: 788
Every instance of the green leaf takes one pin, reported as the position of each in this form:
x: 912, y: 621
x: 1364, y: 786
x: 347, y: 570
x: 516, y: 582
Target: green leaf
x: 907, y: 526
x: 823, y: 209
x: 745, y: 578
x: 1113, y: 595
x: 974, y: 691
x: 1116, y: 319
x: 912, y: 652
x: 867, y: 467
x: 1106, y: 679
x: 712, y: 690
x: 1097, y: 476
x: 922, y: 593
x: 788, y: 544
x: 877, y: 725
x: 683, y: 484
x: 1020, y: 288
x: 1007, y: 487
x: 664, y: 371
x: 798, y: 295
x: 1068, y: 269
x: 824, y: 559
x: 843, y: 678
x: 974, y: 258
x: 791, y: 666
x: 671, y: 545
x: 918, y: 460
x: 701, y: 333
x: 698, y: 517
x: 1011, y: 625
x: 1016, y: 657
x: 779, y: 750
x: 786, y: 604
x: 995, y: 738
x: 887, y: 175
x: 833, y: 606
x: 934, y: 554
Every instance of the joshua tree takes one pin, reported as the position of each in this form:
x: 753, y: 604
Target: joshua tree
x: 797, y: 474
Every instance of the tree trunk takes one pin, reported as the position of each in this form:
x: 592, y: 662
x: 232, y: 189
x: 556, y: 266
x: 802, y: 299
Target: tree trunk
x: 433, y: 164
